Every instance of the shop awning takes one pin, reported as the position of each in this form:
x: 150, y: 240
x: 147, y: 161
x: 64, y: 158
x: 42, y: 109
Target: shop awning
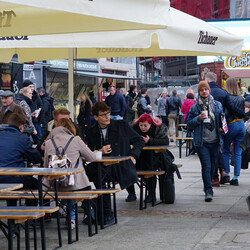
x: 95, y: 74
x: 237, y: 73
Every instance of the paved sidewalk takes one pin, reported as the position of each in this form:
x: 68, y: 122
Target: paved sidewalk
x: 189, y: 223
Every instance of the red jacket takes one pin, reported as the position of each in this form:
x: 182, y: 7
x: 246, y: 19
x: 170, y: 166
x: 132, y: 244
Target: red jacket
x: 186, y: 106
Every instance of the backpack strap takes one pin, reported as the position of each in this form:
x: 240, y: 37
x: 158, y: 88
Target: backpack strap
x: 66, y: 146
x: 64, y: 149
x: 55, y: 146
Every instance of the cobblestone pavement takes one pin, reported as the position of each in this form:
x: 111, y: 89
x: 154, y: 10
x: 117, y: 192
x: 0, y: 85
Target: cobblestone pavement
x: 189, y: 223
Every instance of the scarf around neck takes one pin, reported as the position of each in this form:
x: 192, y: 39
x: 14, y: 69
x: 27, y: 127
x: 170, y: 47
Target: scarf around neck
x: 208, y: 104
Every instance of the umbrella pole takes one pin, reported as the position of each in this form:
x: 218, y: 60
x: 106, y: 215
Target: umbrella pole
x: 71, y: 82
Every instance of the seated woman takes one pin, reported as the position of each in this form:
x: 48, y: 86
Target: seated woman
x: 77, y: 149
x: 154, y: 133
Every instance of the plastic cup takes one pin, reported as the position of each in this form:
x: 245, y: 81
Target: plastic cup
x: 98, y: 155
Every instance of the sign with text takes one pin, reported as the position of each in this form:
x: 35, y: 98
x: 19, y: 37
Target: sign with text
x: 238, y: 62
x: 5, y: 80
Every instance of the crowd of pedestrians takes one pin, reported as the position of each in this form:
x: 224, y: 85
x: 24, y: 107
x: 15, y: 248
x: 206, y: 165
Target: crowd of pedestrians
x: 122, y: 126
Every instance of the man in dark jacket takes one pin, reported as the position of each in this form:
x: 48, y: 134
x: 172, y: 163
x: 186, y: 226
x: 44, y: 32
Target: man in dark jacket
x: 14, y: 146
x: 130, y: 113
x: 48, y: 107
x: 173, y: 105
x: 117, y: 103
x: 113, y: 138
x: 223, y: 97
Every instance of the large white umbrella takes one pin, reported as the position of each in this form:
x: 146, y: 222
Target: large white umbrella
x: 35, y: 17
x: 184, y: 36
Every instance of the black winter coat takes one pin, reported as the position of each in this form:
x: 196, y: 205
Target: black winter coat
x: 158, y: 136
x: 120, y: 137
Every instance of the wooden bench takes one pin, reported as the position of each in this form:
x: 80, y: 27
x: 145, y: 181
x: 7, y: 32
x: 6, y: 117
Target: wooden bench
x: 88, y: 195
x: 182, y: 140
x: 99, y: 192
x: 15, y: 218
x: 143, y: 176
x: 66, y: 196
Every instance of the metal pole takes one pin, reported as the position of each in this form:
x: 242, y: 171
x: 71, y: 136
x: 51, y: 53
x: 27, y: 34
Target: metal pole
x: 71, y: 82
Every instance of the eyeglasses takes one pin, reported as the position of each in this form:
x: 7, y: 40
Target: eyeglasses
x: 105, y: 114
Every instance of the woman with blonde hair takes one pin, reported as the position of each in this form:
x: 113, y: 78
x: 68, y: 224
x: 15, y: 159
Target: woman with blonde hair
x: 236, y: 132
x: 84, y: 116
x: 24, y: 99
x: 61, y: 135
x: 162, y: 107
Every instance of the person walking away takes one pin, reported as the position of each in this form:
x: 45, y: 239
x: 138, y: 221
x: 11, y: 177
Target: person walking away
x: 173, y: 106
x: 223, y: 97
x: 235, y: 134
x: 204, y: 118
x: 61, y: 135
x: 162, y: 107
x: 84, y: 116
x: 129, y: 98
x: 142, y: 104
x: 154, y: 133
x: 117, y: 103
x: 187, y: 104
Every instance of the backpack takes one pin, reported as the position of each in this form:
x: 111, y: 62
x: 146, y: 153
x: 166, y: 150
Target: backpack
x: 61, y: 160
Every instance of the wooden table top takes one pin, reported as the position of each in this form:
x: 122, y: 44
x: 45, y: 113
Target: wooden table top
x: 113, y: 159
x: 159, y: 147
x: 4, y: 187
x: 40, y: 171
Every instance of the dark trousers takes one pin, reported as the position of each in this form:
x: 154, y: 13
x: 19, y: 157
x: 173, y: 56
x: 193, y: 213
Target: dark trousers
x: 28, y: 183
x: 208, y: 155
x: 107, y: 176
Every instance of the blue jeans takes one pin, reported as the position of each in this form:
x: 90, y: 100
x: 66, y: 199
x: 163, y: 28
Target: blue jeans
x: 208, y: 154
x: 72, y: 205
x: 235, y: 134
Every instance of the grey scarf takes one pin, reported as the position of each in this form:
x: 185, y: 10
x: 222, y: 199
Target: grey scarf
x: 208, y: 104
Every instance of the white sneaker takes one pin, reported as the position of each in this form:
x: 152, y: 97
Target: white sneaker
x: 62, y: 211
x: 73, y: 224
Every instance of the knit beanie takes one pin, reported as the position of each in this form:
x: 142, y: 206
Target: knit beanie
x: 26, y: 83
x: 203, y: 84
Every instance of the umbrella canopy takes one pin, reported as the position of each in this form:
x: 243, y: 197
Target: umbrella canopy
x: 184, y: 36
x: 35, y: 17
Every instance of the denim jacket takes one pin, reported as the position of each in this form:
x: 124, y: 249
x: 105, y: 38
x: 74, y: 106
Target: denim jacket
x: 194, y: 122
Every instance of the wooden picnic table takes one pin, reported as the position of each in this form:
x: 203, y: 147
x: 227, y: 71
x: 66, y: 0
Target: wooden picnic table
x: 52, y: 173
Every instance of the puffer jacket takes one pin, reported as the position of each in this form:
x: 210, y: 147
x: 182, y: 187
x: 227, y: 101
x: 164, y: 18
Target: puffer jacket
x: 194, y: 122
